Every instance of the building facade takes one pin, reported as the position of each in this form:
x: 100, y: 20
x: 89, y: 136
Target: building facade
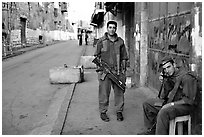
x: 26, y: 22
x: 152, y: 30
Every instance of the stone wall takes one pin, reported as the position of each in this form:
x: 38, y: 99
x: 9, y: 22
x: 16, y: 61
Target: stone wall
x: 32, y: 36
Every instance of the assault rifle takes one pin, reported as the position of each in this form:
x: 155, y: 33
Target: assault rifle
x: 162, y: 85
x: 109, y: 73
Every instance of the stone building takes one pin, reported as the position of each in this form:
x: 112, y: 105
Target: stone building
x: 25, y: 22
x: 152, y: 30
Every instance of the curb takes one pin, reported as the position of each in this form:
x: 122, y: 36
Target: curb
x: 45, y: 126
x: 62, y: 114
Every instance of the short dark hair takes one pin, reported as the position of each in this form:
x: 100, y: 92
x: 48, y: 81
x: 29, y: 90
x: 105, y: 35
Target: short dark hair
x: 165, y: 60
x: 112, y: 22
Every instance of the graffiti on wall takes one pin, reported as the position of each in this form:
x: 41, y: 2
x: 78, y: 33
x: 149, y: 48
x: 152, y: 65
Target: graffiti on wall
x: 172, y: 35
x: 172, y: 31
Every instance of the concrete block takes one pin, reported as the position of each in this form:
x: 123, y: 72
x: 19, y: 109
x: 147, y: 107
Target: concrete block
x: 86, y: 62
x: 66, y: 75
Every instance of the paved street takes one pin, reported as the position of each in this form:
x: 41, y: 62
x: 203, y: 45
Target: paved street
x: 30, y: 104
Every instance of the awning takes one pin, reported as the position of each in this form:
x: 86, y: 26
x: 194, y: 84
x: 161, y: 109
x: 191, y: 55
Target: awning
x: 87, y: 29
x: 97, y: 18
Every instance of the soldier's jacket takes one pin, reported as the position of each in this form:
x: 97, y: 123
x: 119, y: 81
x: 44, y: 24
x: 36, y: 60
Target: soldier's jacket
x: 186, y: 90
x: 108, y: 50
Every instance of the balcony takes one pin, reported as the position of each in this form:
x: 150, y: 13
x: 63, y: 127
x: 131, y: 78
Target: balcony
x: 97, y: 17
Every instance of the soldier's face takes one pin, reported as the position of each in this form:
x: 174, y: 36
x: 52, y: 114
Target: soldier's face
x: 169, y: 68
x: 111, y: 29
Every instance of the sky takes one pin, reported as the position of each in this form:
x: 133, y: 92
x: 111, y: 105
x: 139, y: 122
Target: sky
x: 80, y: 10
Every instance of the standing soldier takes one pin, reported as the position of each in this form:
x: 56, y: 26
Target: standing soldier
x: 111, y: 49
x: 86, y: 38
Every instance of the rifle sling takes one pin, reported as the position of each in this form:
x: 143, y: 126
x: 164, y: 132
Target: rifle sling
x: 176, y: 86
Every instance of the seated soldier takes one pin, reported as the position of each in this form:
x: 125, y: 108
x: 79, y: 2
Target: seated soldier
x: 177, y: 98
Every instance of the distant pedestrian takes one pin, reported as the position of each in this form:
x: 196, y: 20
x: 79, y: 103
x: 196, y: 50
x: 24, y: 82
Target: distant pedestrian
x: 176, y: 98
x: 80, y: 38
x: 86, y: 38
x: 111, y: 49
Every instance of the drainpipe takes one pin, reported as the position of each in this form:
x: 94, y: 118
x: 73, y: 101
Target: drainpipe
x: 144, y: 44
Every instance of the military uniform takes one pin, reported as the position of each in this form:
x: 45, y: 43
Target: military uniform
x: 186, y: 91
x: 113, y: 53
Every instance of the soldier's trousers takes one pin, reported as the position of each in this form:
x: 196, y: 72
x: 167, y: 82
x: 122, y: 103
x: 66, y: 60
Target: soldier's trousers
x: 104, y: 93
x: 162, y: 117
